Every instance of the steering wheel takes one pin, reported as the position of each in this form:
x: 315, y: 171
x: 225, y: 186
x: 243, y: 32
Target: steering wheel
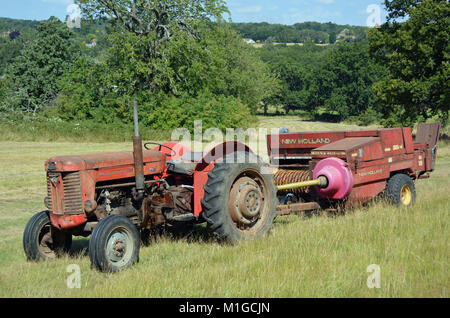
x: 174, y: 153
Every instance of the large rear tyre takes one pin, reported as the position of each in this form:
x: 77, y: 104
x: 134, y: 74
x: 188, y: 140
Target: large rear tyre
x: 400, y: 190
x: 42, y: 241
x: 240, y: 200
x: 114, y: 244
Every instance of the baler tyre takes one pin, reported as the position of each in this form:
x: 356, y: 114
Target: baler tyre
x: 240, y: 201
x: 42, y: 241
x: 400, y: 190
x: 114, y: 244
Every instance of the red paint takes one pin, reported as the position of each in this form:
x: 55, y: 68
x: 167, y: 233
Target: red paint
x: 206, y: 164
x: 67, y: 221
x: 114, y: 166
x: 92, y: 169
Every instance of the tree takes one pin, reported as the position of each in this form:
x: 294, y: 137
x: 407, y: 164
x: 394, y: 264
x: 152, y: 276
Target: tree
x: 3, y: 89
x: 333, y: 37
x: 294, y: 92
x: 147, y: 26
x: 417, y: 53
x: 218, y: 65
x: 343, y: 84
x: 165, y: 49
x: 33, y: 75
x: 8, y: 51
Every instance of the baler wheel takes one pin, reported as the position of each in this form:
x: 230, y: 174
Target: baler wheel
x: 240, y: 200
x: 400, y: 190
x: 114, y: 244
x: 42, y: 241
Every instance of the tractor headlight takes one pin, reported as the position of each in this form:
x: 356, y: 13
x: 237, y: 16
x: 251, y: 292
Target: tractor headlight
x: 90, y: 206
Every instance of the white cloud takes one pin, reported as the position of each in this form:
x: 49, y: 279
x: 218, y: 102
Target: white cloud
x: 326, y: 1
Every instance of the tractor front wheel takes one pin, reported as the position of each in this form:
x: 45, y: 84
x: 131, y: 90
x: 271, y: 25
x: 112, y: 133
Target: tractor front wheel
x: 400, y: 190
x: 114, y: 244
x: 240, y: 199
x: 42, y: 241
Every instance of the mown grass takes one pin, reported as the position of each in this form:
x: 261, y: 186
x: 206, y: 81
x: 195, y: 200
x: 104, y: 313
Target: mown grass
x: 305, y: 256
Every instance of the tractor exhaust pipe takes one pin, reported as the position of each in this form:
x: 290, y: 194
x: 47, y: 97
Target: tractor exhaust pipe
x: 138, y: 155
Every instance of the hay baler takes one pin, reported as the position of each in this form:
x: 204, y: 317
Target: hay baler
x: 357, y: 166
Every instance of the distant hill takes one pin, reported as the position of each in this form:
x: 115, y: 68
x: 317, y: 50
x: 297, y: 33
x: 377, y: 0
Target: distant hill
x: 92, y: 36
x: 15, y: 33
x: 301, y: 32
x: 9, y: 25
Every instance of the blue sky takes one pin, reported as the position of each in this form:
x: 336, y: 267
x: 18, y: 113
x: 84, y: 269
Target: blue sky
x: 352, y: 12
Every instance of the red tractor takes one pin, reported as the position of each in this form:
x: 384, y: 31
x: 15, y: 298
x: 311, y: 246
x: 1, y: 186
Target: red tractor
x: 115, y: 196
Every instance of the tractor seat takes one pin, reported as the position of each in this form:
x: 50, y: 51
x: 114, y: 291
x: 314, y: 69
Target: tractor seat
x: 181, y: 167
x: 186, y: 164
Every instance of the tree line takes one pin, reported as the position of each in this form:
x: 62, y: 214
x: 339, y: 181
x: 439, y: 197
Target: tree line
x: 319, y: 33
x: 182, y: 61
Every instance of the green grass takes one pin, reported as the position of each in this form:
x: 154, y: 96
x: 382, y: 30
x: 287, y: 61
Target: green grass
x: 296, y: 123
x: 54, y: 130
x: 305, y: 256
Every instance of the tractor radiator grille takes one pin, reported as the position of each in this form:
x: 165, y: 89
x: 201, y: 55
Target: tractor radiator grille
x: 49, y: 191
x: 73, y: 198
x: 66, y: 198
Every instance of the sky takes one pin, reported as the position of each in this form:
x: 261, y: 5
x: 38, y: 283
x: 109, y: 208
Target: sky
x: 353, y: 12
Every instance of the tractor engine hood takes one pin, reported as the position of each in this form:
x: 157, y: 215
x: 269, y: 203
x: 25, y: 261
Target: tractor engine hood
x: 101, y: 161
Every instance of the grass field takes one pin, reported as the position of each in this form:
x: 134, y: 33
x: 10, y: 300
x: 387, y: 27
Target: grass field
x: 305, y: 256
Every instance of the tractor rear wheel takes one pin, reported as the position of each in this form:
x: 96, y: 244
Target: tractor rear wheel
x: 240, y: 200
x: 114, y: 244
x: 400, y: 190
x: 42, y: 241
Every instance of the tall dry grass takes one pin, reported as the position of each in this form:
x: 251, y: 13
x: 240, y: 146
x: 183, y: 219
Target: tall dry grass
x: 305, y: 256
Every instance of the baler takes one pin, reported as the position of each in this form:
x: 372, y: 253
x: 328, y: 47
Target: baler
x: 117, y: 198
x: 348, y: 168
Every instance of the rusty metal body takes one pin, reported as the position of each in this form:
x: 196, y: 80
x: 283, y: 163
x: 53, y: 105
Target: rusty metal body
x: 84, y: 189
x: 372, y: 156
x: 152, y: 187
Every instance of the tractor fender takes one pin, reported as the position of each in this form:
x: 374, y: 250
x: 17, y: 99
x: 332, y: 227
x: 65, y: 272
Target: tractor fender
x: 206, y: 164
